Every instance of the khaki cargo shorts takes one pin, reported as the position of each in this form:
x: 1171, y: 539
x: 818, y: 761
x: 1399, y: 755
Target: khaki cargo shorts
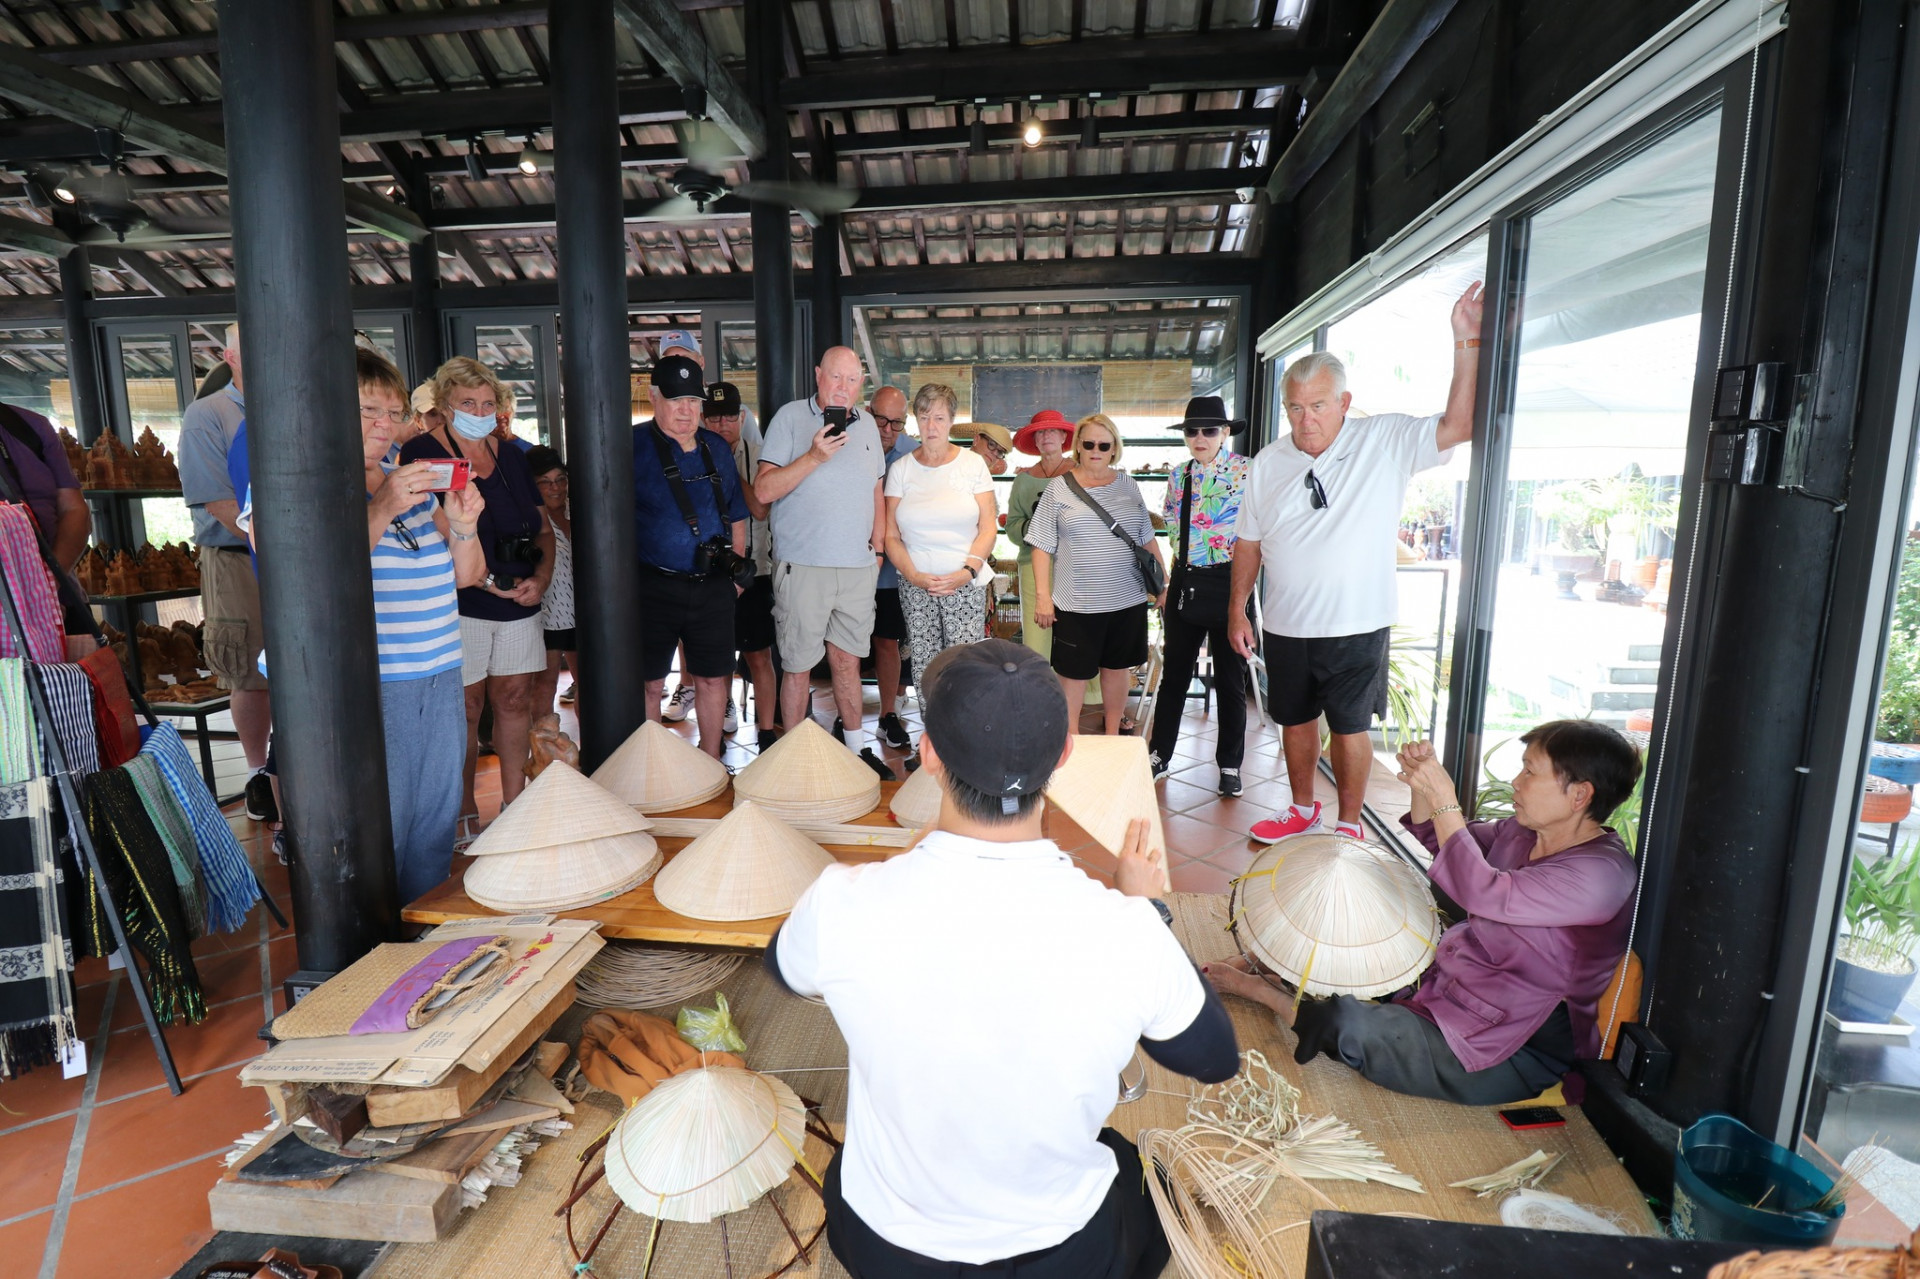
x: 814, y: 607
x: 230, y: 600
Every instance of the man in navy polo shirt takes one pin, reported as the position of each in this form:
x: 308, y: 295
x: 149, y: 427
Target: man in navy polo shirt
x: 690, y: 521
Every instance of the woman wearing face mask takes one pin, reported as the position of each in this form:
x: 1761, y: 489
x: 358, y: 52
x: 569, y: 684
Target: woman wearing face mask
x: 1201, y: 508
x: 502, y: 644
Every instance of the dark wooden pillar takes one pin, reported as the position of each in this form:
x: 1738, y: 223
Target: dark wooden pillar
x: 316, y: 584
x: 593, y: 371
x: 772, y: 234
x: 83, y: 353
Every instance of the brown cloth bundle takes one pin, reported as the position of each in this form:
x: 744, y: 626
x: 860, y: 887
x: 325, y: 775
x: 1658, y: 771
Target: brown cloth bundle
x: 1825, y: 1263
x: 628, y: 1053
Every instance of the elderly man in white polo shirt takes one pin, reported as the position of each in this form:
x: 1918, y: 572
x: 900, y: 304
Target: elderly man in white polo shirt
x: 990, y: 993
x: 1320, y: 513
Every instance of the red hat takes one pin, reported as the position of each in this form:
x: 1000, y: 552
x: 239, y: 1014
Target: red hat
x: 1044, y: 420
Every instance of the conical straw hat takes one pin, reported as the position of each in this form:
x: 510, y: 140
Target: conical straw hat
x: 557, y: 807
x: 750, y: 866
x: 1336, y: 916
x: 705, y: 1143
x: 916, y: 804
x: 658, y: 771
x: 1105, y: 784
x: 565, y: 876
x: 808, y: 773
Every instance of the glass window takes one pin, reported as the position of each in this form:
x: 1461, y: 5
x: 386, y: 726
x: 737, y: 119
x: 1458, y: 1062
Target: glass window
x: 150, y: 380
x: 512, y: 352
x: 1610, y: 301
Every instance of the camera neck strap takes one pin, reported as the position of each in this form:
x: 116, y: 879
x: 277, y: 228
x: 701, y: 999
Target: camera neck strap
x: 670, y: 463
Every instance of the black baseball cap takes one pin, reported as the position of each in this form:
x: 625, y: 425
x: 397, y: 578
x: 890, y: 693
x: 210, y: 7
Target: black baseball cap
x: 723, y: 400
x: 678, y: 378
x: 996, y: 716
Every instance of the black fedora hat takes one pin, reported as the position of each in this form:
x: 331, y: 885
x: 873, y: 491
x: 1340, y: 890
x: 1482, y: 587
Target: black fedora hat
x: 1210, y: 410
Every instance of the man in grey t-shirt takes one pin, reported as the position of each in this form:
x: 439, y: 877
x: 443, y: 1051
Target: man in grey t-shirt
x: 829, y: 528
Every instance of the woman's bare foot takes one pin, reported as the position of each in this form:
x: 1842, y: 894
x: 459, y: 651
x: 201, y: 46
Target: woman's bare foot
x: 1231, y: 977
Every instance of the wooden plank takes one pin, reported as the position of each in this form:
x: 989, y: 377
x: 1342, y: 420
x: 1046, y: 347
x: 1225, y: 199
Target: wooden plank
x: 851, y: 834
x: 447, y: 1160
x: 361, y: 1205
x: 451, y: 1098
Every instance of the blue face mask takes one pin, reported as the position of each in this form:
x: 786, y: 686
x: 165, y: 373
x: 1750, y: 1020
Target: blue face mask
x: 472, y: 426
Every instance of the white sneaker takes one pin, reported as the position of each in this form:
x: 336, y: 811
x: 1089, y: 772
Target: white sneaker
x: 731, y: 724
x: 679, y: 704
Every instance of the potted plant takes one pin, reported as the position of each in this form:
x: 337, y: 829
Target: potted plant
x: 1873, y: 966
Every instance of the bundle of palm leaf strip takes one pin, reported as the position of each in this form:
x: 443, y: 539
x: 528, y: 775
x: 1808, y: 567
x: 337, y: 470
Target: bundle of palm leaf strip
x: 630, y: 975
x: 1214, y: 1194
x: 140, y: 874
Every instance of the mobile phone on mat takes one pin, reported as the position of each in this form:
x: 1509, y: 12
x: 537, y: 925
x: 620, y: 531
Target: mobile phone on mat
x: 1524, y: 1117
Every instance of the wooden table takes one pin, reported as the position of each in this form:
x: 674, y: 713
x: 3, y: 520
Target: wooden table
x: 637, y: 915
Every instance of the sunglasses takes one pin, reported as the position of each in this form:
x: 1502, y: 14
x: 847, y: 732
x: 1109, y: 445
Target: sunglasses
x: 889, y: 423
x: 1208, y: 431
x: 1316, y: 494
x: 1097, y: 446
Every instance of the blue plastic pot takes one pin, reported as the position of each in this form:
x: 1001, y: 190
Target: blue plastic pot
x: 1866, y: 994
x: 1732, y: 1185
x: 1895, y: 763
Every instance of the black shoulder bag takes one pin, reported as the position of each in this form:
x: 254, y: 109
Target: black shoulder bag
x: 1152, y: 576
x: 712, y: 557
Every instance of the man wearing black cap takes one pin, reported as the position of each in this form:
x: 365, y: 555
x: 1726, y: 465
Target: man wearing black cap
x: 690, y: 521
x: 990, y: 993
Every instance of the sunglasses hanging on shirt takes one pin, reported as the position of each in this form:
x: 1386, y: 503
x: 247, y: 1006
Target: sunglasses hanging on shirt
x: 1316, y: 494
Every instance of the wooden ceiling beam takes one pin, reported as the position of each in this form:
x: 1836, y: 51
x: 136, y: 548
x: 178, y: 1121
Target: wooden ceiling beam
x: 672, y: 39
x: 386, y: 26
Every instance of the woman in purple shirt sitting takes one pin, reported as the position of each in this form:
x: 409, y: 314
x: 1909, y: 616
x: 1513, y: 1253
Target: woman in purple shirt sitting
x: 1512, y: 998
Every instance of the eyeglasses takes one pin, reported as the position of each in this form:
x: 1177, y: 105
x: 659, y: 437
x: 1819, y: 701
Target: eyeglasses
x: 888, y: 423
x: 395, y: 416
x: 1316, y: 494
x: 557, y: 482
x: 405, y: 534
x: 1097, y: 446
x: 996, y: 449
x: 1208, y: 431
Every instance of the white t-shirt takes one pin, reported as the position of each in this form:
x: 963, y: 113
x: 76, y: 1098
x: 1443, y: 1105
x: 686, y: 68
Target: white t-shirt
x: 990, y: 995
x: 1330, y: 571
x: 939, y: 511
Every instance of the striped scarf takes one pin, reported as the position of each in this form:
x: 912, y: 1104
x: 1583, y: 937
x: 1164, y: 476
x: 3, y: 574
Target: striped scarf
x: 170, y: 823
x: 135, y: 864
x: 36, y: 959
x: 70, y: 701
x: 34, y: 592
x: 231, y: 889
x: 18, y: 749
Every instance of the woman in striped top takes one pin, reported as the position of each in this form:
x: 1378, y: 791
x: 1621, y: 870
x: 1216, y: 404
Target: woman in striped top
x: 421, y: 552
x: 1087, y: 588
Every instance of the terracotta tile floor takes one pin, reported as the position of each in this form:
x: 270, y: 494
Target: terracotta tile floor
x: 108, y: 1174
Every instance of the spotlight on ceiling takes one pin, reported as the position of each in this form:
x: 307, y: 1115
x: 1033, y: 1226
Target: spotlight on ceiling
x: 392, y: 192
x: 977, y: 133
x: 37, y: 193
x: 529, y: 159
x: 1089, y: 129
x: 66, y: 187
x: 1031, y: 133
x: 476, y: 168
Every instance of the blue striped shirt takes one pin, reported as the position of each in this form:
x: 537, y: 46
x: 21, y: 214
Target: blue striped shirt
x: 416, y: 611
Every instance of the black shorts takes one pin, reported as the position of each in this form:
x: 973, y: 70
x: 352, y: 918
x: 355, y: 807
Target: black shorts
x: 889, y: 623
x: 1084, y: 644
x: 566, y: 641
x: 753, y: 617
x: 1343, y: 676
x: 679, y: 610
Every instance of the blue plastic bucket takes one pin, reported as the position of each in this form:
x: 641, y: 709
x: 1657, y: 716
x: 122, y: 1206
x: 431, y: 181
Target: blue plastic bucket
x: 1733, y: 1185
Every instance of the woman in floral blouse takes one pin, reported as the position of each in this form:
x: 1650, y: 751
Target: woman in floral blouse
x: 1201, y: 508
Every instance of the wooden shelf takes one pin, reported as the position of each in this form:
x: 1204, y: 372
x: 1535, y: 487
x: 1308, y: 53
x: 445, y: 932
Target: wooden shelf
x: 147, y: 597
x: 140, y: 493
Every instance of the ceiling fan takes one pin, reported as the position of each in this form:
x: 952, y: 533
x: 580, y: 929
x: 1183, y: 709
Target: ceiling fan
x: 107, y: 200
x: 698, y: 184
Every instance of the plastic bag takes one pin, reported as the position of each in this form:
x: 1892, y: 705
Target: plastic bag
x: 710, y: 1029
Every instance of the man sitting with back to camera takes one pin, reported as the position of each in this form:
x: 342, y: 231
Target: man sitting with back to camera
x: 977, y: 1089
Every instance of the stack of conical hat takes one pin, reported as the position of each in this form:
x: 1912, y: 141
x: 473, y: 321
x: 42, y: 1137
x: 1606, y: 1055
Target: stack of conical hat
x: 1105, y: 784
x: 564, y: 843
x: 705, y: 1143
x: 1336, y: 916
x: 751, y: 865
x: 658, y: 771
x: 809, y: 776
x: 916, y: 804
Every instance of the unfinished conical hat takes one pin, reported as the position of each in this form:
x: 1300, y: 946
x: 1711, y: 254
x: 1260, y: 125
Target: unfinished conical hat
x: 1104, y: 785
x: 917, y: 803
x: 705, y: 1143
x: 565, y: 876
x: 751, y: 865
x: 1336, y: 916
x: 658, y: 771
x: 808, y: 773
x: 557, y: 807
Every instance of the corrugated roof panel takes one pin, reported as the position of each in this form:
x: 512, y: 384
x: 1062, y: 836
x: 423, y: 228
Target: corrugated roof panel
x: 1128, y: 346
x: 813, y: 39
x: 919, y: 23
x: 982, y: 21
x: 1235, y: 13
x: 937, y: 166
x: 944, y: 250
x: 726, y: 32
x: 1046, y: 245
x: 1045, y: 20
x: 882, y: 171
x: 1154, y: 157
x: 860, y: 26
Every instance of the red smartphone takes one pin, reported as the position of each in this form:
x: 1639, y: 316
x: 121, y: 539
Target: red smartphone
x: 450, y: 474
x: 1525, y: 1117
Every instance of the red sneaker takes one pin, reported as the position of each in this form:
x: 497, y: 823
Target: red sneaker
x: 1287, y: 824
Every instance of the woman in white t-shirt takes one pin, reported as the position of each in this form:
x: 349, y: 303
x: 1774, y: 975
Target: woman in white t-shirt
x: 941, y: 522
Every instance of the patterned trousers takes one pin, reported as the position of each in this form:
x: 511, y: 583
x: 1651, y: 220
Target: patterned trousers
x: 936, y: 622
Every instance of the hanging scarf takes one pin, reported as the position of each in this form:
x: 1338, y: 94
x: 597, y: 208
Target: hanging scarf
x: 34, y: 592
x: 36, y: 961
x: 70, y: 703
x: 231, y: 887
x: 18, y: 749
x: 137, y: 869
x: 170, y: 823
x: 119, y: 731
